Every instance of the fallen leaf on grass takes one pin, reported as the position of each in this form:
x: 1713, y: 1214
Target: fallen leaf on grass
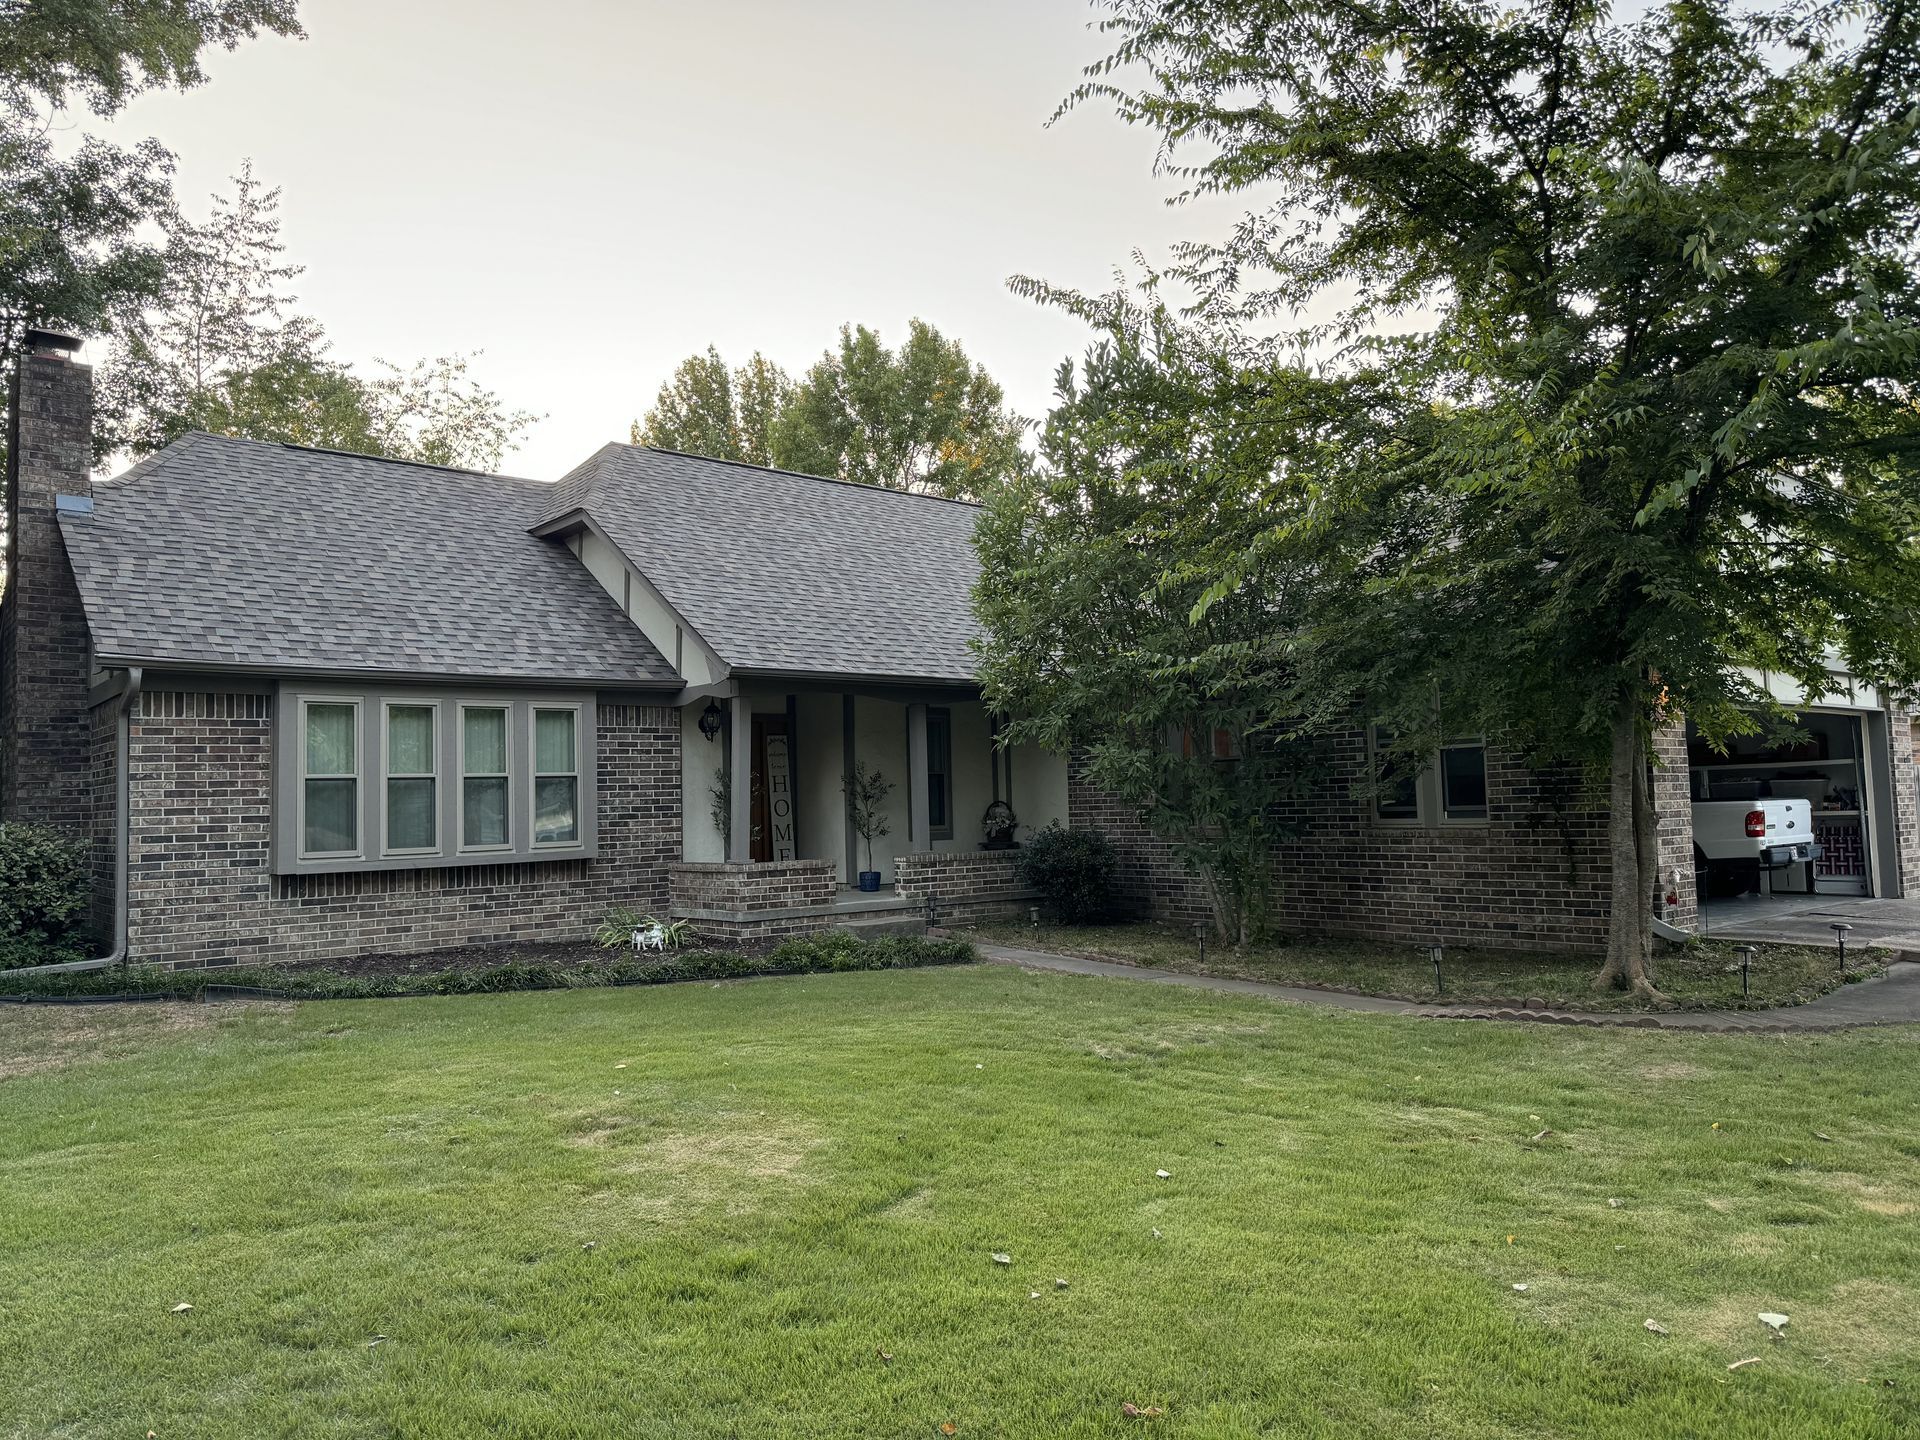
x: 1163, y: 1174
x: 1000, y: 1257
x: 886, y: 1355
x: 621, y: 1066
x: 1521, y: 1288
x: 1822, y: 1135
x: 1141, y: 1412
x: 1614, y: 1204
x: 1060, y: 1284
x: 182, y: 1308
x: 1773, y: 1320
x: 1033, y: 1294
x: 375, y: 1341
x: 1657, y: 1328
x: 947, y: 1427
x: 1543, y: 1134
x: 590, y: 1245
x: 1750, y: 1360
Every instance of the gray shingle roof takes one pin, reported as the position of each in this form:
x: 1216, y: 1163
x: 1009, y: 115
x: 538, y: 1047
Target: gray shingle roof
x: 787, y: 572
x: 234, y: 552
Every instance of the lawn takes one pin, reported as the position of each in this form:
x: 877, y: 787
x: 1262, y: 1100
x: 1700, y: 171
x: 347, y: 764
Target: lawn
x: 1702, y: 975
x: 771, y: 1207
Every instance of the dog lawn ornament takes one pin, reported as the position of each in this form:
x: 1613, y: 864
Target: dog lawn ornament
x: 650, y: 937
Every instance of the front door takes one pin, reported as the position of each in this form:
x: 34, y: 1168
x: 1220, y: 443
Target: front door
x: 773, y: 832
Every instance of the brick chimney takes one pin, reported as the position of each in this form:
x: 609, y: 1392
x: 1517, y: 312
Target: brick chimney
x: 45, y: 744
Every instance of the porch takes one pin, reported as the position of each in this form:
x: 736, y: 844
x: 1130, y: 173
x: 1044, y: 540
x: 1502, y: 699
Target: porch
x: 769, y: 847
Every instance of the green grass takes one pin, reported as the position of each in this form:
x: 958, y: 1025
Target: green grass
x: 780, y: 1179
x: 1702, y: 975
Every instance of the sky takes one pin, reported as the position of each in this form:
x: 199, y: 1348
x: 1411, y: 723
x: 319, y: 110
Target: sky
x: 588, y: 191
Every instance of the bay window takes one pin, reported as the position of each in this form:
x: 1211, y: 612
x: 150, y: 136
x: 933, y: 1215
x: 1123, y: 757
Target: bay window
x: 423, y: 778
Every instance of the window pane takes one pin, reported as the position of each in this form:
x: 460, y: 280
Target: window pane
x: 486, y: 741
x: 410, y: 740
x: 410, y: 817
x: 1463, y: 780
x: 553, y: 742
x: 331, y: 825
x: 556, y: 817
x: 330, y: 740
x: 486, y: 812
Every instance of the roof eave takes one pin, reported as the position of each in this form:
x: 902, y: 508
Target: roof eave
x: 181, y: 665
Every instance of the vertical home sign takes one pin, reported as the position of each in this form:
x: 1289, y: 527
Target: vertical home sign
x: 779, y: 799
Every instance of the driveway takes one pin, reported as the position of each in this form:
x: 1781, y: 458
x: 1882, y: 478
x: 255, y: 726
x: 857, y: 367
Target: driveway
x: 1809, y: 920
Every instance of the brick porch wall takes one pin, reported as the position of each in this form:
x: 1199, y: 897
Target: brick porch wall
x: 1673, y: 801
x: 202, y: 891
x: 742, y: 903
x: 965, y: 887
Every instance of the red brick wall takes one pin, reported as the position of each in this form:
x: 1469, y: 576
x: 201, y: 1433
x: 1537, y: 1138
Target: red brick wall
x: 202, y: 892
x: 1152, y: 881
x: 965, y: 887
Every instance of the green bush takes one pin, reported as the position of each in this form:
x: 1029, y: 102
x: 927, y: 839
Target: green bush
x: 804, y: 954
x: 44, y: 886
x: 1076, y: 870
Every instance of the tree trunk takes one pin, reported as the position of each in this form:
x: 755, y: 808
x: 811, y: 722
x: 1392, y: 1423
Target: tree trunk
x: 1633, y: 855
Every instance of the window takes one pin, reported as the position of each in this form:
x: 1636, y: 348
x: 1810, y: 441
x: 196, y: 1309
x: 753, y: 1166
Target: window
x: 940, y: 774
x: 556, y: 777
x: 1398, y: 795
x: 427, y: 777
x: 483, y: 777
x: 1221, y: 744
x: 413, y: 802
x: 1463, y: 780
x: 330, y: 778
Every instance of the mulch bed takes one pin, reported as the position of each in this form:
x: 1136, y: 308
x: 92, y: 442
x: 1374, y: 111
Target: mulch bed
x: 570, y: 955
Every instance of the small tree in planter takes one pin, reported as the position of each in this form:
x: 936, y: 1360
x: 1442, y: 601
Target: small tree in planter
x: 867, y: 792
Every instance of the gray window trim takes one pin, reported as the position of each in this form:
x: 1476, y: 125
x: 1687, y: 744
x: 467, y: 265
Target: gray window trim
x: 289, y: 791
x: 535, y: 774
x: 359, y: 778
x: 387, y: 705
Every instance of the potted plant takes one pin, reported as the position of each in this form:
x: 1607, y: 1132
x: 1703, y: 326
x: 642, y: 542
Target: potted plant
x: 867, y: 792
x: 999, y: 823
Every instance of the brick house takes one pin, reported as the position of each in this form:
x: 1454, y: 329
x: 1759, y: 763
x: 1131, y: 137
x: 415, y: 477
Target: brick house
x: 310, y: 704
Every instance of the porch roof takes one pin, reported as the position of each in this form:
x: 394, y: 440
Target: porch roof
x: 787, y: 574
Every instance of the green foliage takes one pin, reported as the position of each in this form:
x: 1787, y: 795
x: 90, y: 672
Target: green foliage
x: 707, y: 409
x: 1614, y: 409
x: 803, y: 954
x: 866, y: 791
x: 222, y: 349
x: 922, y: 418
x: 44, y: 889
x: 1157, y: 468
x: 76, y: 216
x: 1076, y: 870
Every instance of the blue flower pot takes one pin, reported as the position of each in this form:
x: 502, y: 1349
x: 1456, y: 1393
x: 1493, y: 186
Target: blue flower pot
x: 869, y: 880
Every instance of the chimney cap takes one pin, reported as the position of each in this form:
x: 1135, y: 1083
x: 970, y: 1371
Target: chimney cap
x: 41, y: 342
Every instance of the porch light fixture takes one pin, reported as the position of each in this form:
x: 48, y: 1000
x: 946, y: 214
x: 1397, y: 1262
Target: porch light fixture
x: 710, y: 721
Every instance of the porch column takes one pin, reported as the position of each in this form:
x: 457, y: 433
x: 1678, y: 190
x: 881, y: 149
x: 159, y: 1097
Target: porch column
x: 740, y: 764
x: 919, y: 831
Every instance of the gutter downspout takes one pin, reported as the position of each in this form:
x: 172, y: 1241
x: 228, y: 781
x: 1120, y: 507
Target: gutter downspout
x: 122, y: 836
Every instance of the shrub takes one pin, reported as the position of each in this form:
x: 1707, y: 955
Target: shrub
x: 44, y: 885
x: 803, y: 954
x: 1076, y: 870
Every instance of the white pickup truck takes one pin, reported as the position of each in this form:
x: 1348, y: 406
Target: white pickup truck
x: 1733, y: 840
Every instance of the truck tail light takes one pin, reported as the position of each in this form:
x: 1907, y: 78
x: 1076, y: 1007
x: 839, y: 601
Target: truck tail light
x: 1756, y: 824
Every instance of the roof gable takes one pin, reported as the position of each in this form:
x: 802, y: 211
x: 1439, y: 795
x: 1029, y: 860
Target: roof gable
x: 786, y: 572
x: 242, y: 553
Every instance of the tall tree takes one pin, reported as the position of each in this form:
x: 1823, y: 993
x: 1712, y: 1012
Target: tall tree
x: 709, y: 409
x: 223, y: 310
x: 1637, y: 300
x: 224, y: 349
x: 73, y: 249
x: 923, y: 418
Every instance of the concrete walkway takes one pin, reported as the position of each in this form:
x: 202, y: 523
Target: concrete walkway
x: 1891, y: 999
